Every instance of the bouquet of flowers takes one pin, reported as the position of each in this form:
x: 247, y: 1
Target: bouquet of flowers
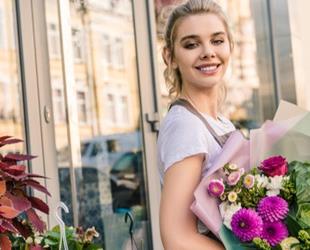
x: 261, y: 200
x: 266, y: 206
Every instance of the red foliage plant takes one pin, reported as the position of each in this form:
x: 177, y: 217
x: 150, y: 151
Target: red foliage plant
x: 16, y: 205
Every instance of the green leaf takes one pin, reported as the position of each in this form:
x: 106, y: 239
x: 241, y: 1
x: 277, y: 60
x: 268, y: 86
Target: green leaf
x: 93, y: 247
x: 51, y: 242
x: 300, y: 173
x: 303, y: 214
x: 230, y: 241
x: 53, y: 235
x: 293, y: 224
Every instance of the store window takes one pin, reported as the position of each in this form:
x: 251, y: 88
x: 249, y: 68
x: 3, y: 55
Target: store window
x: 11, y: 97
x: 104, y: 168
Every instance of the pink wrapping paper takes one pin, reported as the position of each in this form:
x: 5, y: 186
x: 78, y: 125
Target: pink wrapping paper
x: 235, y: 150
x: 246, y: 154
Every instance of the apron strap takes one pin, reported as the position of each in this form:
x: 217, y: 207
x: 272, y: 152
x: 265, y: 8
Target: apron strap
x: 186, y: 104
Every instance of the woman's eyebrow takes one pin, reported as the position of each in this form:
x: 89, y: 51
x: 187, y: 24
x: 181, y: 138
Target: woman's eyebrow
x: 218, y: 33
x: 197, y: 36
x: 189, y: 37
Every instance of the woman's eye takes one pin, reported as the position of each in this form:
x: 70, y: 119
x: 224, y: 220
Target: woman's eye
x: 191, y: 45
x: 218, y: 42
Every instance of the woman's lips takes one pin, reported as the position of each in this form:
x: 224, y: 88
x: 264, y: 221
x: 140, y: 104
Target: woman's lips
x: 210, y: 69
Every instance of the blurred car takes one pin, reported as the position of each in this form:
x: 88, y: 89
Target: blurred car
x: 116, y: 156
x: 126, y: 178
x: 102, y: 151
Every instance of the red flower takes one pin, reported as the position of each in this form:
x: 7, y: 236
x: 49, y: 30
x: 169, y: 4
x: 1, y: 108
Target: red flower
x: 275, y: 165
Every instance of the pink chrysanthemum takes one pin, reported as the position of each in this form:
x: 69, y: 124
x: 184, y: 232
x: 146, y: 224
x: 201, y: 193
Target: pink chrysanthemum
x: 216, y: 188
x: 272, y: 208
x: 274, y: 232
x: 246, y: 224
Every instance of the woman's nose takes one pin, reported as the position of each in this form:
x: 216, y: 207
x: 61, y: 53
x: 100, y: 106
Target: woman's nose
x: 207, y: 52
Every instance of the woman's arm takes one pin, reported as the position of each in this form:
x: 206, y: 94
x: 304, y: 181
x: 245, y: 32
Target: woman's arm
x: 178, y: 225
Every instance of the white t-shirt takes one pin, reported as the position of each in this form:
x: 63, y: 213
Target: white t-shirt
x: 183, y: 134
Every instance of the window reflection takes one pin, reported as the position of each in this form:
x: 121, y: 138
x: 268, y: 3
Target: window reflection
x: 54, y: 46
x: 11, y: 112
x: 77, y: 40
x: 109, y: 181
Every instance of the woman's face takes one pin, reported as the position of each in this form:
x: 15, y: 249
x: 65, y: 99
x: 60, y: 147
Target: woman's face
x: 201, y: 50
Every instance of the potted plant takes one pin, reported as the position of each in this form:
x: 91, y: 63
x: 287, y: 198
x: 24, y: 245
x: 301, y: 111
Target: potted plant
x: 20, y: 225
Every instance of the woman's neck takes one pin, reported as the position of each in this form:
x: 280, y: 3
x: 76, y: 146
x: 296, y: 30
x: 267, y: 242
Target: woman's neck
x: 203, y: 101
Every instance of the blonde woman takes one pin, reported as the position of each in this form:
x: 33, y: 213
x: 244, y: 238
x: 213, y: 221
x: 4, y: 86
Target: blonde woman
x: 198, y: 46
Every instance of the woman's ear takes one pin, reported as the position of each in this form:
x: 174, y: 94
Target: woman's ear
x: 166, y: 54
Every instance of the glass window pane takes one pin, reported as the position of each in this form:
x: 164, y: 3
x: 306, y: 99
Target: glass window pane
x: 110, y: 181
x: 59, y: 108
x: 11, y: 98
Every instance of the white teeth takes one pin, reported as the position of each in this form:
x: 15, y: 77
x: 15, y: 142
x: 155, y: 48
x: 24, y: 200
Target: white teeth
x: 208, y: 68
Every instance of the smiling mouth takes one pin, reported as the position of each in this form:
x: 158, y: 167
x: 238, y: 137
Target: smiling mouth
x: 208, y: 69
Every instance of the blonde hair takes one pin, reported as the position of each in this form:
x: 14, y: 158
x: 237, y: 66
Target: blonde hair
x: 191, y: 7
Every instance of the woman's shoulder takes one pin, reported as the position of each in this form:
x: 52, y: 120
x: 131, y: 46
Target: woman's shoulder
x: 181, y: 127
x: 179, y: 116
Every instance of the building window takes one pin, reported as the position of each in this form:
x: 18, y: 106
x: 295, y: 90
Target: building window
x: 124, y: 110
x: 106, y: 49
x: 82, y: 106
x: 118, y: 53
x: 59, y: 105
x: 111, y: 108
x: 53, y: 39
x: 77, y: 41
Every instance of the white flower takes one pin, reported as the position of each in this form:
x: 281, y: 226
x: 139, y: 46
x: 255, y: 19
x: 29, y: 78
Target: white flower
x: 38, y: 240
x: 273, y: 192
x: 233, y: 166
x: 274, y: 186
x: 275, y: 182
x: 227, y: 211
x: 29, y: 240
x: 262, y: 181
x: 232, y: 196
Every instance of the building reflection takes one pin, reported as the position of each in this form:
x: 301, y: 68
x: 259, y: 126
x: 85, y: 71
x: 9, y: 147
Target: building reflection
x: 11, y: 99
x: 110, y: 180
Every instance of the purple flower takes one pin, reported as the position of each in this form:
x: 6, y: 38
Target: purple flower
x: 275, y: 165
x: 272, y: 208
x: 216, y: 188
x: 246, y: 224
x: 274, y: 232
